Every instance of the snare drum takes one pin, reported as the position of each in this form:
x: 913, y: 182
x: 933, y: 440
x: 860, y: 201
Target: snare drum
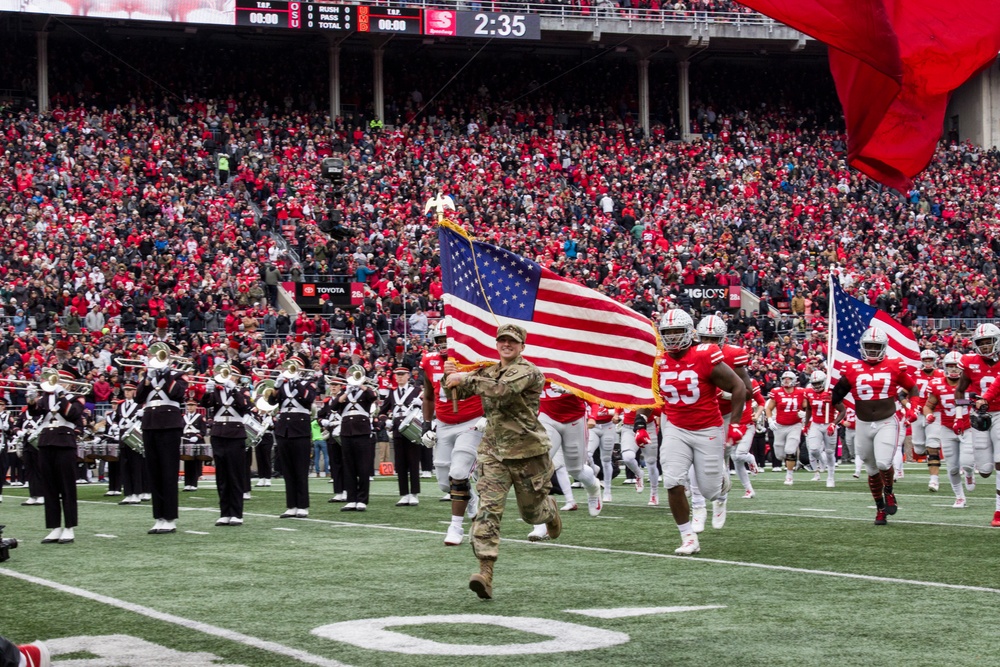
x: 133, y: 439
x: 202, y: 451
x: 412, y: 426
x: 187, y: 450
x: 255, y: 430
x: 92, y: 450
x: 81, y: 452
x: 111, y: 452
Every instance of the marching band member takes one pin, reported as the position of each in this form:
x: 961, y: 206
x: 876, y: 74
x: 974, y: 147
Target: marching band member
x: 62, y: 417
x: 160, y: 395
x: 336, y: 452
x: 194, y: 433
x: 132, y: 464
x: 227, y: 404
x: 355, y: 402
x: 401, y: 401
x: 293, y: 434
x: 452, y: 434
x: 29, y: 458
x: 264, y: 448
x: 6, y: 429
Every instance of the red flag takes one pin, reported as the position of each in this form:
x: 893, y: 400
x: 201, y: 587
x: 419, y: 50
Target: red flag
x: 895, y: 62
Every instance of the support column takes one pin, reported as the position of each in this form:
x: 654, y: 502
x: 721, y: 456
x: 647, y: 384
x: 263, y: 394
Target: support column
x: 684, y: 98
x: 43, y: 71
x: 644, y: 95
x: 334, y: 54
x: 377, y: 81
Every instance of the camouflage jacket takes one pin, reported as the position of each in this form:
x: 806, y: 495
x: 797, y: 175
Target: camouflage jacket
x: 510, y: 401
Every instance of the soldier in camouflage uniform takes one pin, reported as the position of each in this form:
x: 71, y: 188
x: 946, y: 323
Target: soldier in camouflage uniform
x: 514, y: 450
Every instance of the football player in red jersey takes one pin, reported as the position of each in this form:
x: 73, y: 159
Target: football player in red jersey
x: 875, y: 383
x: 947, y: 430
x: 821, y: 437
x: 564, y: 417
x: 650, y: 453
x: 453, y: 435
x: 787, y: 408
x: 693, y: 433
x: 712, y: 330
x: 979, y: 372
x: 919, y: 426
x: 603, y: 424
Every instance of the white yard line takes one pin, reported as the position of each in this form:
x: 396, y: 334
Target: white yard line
x: 198, y: 626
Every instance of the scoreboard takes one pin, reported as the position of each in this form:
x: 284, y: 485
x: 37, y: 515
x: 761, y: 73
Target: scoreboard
x: 325, y: 17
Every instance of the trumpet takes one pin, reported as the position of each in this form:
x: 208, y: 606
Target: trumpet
x: 333, y: 380
x: 262, y: 392
x: 267, y: 373
x: 160, y: 356
x: 128, y: 362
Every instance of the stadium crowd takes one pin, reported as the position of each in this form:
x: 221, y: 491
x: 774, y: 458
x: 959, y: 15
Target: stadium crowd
x: 119, y: 224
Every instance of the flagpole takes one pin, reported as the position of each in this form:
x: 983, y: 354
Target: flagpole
x: 831, y: 336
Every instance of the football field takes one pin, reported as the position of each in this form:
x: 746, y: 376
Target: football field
x: 798, y: 576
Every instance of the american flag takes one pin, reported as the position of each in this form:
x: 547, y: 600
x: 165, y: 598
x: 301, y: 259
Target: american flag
x: 581, y: 339
x: 850, y: 319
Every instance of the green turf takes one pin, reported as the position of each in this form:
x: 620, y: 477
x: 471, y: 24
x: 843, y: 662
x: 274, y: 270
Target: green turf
x: 277, y: 585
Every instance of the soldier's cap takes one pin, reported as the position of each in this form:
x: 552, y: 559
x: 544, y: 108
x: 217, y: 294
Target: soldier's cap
x: 513, y: 331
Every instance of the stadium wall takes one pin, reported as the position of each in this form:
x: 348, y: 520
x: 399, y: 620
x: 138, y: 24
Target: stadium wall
x: 974, y: 110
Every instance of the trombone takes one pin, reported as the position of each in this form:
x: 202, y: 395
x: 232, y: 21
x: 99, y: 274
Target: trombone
x: 263, y: 391
x: 160, y: 357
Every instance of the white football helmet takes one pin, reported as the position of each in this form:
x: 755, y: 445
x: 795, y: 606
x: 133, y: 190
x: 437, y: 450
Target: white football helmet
x: 874, y: 343
x: 986, y: 339
x: 676, y: 330
x: 929, y: 359
x: 712, y: 330
x: 439, y: 334
x: 789, y: 379
x: 953, y: 365
x: 818, y: 380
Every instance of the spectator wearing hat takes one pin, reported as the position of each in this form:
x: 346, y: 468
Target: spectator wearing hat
x: 403, y: 401
x: 61, y: 415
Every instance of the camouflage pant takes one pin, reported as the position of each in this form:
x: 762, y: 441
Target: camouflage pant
x: 532, y: 481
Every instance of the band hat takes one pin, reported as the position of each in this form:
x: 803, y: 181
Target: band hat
x: 402, y: 368
x: 66, y: 375
x: 513, y: 331
x: 129, y: 385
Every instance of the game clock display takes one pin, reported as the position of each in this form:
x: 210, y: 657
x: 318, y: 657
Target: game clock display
x: 498, y: 25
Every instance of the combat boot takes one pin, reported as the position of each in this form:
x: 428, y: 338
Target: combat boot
x: 481, y: 583
x: 555, y: 525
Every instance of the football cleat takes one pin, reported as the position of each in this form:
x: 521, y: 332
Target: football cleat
x: 880, y: 518
x: 639, y: 485
x: 970, y: 481
x: 594, y: 504
x: 959, y: 504
x: 454, y: 536
x: 607, y: 496
x: 570, y: 506
x: 750, y: 493
x: 718, y: 514
x: 789, y: 479
x: 815, y: 476
x: 891, y: 506
x: 473, y: 507
x: 996, y: 519
x: 933, y: 486
x: 698, y: 516
x: 830, y: 483
x: 753, y: 467
x: 689, y: 545
x: 654, y: 500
